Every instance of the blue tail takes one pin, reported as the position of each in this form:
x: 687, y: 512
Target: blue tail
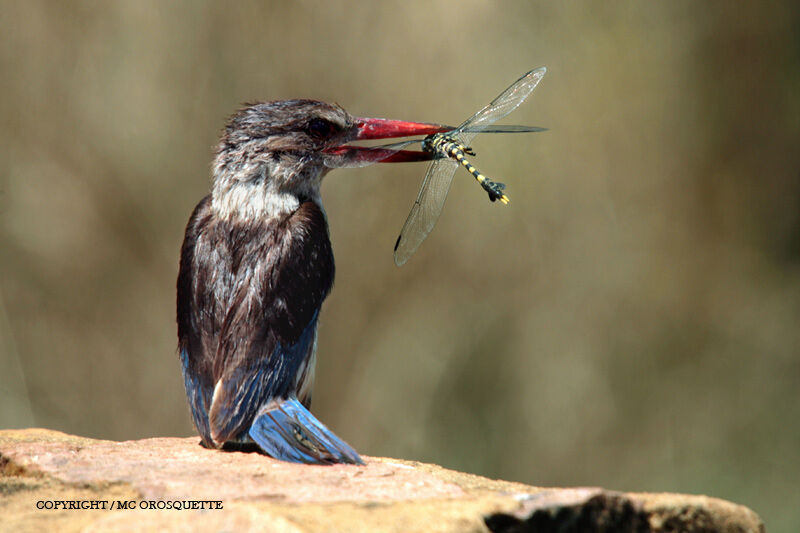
x: 287, y: 431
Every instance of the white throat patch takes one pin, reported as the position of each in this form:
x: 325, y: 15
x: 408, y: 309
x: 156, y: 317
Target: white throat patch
x: 266, y: 193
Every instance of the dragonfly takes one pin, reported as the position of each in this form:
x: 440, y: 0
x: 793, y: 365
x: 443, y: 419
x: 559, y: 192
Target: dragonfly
x: 449, y: 148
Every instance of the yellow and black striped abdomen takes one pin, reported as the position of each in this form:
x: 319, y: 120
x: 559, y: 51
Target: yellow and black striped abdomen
x: 457, y: 152
x: 448, y: 146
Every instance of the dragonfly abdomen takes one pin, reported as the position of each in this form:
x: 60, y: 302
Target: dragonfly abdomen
x: 447, y: 146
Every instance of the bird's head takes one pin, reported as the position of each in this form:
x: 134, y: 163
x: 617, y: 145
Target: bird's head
x: 273, y: 155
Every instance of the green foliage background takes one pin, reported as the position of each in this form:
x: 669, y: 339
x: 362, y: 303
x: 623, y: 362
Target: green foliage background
x: 631, y: 320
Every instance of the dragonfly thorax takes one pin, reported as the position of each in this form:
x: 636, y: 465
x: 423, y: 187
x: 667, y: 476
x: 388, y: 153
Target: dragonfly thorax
x: 445, y: 145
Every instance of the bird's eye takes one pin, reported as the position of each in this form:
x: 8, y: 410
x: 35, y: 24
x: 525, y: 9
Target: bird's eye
x: 320, y: 128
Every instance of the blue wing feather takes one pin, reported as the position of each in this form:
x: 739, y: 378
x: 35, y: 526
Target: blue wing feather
x: 244, y: 388
x: 286, y: 430
x: 199, y: 398
x: 244, y: 405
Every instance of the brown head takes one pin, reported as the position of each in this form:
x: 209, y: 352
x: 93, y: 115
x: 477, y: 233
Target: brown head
x: 273, y: 155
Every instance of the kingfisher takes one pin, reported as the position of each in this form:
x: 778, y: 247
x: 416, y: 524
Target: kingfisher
x: 256, y: 265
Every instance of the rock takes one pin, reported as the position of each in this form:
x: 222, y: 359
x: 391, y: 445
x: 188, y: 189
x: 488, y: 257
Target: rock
x: 49, y: 481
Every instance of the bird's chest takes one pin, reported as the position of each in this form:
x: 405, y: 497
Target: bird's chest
x: 274, y: 274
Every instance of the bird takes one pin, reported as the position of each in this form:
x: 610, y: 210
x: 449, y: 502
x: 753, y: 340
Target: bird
x: 256, y: 265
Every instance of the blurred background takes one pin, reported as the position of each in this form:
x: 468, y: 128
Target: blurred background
x: 631, y: 320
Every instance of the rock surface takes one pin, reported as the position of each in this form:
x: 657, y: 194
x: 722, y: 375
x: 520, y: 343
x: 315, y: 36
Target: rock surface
x: 43, y: 468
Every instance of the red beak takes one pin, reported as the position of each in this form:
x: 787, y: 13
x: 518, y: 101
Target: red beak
x: 382, y: 128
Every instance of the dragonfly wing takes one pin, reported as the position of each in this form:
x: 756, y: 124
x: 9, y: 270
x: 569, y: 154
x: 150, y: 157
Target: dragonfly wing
x: 504, y: 128
x: 426, y: 209
x: 501, y: 106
